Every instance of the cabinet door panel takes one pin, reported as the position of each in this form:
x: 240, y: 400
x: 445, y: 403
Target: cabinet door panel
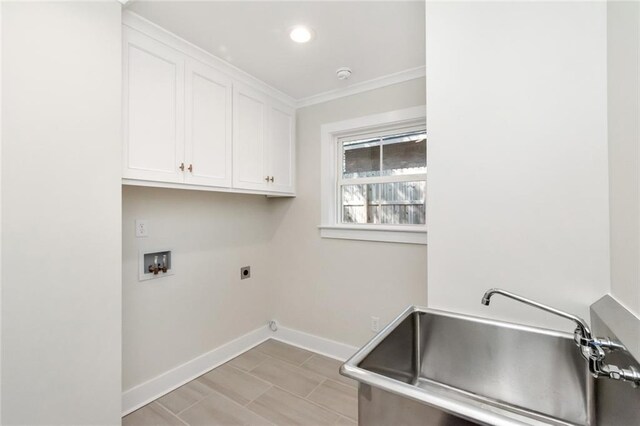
x: 208, y: 126
x: 153, y: 109
x: 281, y: 150
x: 249, y: 138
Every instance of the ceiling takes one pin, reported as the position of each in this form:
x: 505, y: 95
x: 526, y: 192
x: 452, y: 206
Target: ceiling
x: 373, y: 38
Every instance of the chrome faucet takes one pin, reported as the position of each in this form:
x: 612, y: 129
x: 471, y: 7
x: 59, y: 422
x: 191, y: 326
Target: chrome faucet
x: 582, y: 327
x: 582, y: 334
x: 591, y: 349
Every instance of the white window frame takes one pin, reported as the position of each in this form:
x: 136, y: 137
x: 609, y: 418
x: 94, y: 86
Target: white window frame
x: 331, y: 134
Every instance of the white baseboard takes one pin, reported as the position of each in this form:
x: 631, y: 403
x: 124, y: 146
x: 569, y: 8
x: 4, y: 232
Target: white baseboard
x: 148, y: 391
x: 321, y: 345
x: 153, y: 389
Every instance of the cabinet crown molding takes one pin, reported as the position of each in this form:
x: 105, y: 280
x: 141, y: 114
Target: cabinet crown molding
x: 143, y: 25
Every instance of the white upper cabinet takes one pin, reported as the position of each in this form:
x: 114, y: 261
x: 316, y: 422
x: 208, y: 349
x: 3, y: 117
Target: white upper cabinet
x: 249, y: 138
x: 153, y: 109
x: 207, y: 126
x: 281, y: 148
x: 263, y: 136
x: 192, y: 121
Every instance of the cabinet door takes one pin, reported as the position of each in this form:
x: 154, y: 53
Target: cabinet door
x: 153, y: 109
x: 250, y: 111
x: 208, y: 126
x: 281, y: 149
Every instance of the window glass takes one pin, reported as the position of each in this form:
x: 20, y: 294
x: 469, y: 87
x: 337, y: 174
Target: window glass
x: 382, y: 179
x: 361, y: 159
x: 392, y: 203
x: 404, y: 154
x: 354, y: 200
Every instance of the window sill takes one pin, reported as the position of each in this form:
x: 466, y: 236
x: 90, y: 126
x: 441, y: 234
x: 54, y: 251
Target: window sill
x: 390, y: 234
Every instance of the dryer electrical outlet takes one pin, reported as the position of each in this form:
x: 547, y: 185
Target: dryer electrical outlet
x: 245, y: 272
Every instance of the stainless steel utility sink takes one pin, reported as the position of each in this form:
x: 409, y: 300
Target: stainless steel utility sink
x: 431, y: 367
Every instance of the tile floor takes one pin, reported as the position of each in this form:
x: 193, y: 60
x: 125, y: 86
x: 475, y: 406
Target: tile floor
x: 271, y: 384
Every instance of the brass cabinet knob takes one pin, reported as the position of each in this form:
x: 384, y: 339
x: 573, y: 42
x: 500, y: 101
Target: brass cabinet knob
x: 181, y: 167
x: 271, y: 179
x: 267, y: 179
x: 190, y: 168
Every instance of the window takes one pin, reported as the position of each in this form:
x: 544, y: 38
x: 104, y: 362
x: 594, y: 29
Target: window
x: 383, y: 180
x: 374, y: 172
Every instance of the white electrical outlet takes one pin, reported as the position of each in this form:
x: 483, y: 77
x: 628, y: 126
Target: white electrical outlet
x: 142, y: 229
x: 375, y: 324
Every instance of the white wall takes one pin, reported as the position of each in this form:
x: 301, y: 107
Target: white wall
x: 624, y: 136
x: 518, y: 185
x: 61, y: 262
x: 330, y: 287
x: 171, y: 320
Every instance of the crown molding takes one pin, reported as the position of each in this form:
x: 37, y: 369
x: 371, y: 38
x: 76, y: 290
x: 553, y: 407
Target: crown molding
x: 153, y: 30
x: 141, y: 24
x: 376, y: 83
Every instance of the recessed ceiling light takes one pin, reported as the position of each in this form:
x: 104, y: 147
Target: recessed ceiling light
x: 301, y: 34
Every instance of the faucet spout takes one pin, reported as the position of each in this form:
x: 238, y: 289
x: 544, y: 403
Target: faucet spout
x: 593, y: 350
x: 582, y: 326
x: 486, y: 299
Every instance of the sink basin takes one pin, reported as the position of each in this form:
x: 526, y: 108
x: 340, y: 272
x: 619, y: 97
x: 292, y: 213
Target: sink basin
x: 440, y: 368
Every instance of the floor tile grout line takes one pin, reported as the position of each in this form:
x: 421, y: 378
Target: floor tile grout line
x: 310, y: 402
x: 172, y: 414
x: 341, y: 384
x: 200, y: 400
x: 225, y: 363
x: 271, y: 385
x: 299, y: 367
x: 261, y: 362
x: 255, y: 366
x: 286, y: 344
x: 159, y: 403
x: 253, y: 375
x: 249, y: 401
x: 311, y: 356
x: 307, y: 360
x: 319, y: 376
x: 354, y: 385
x: 223, y: 396
x: 304, y: 348
x: 331, y: 410
x: 273, y: 358
x: 248, y: 373
x: 261, y: 393
x: 186, y: 384
x: 314, y: 389
x: 299, y: 396
x: 305, y: 398
x: 328, y: 379
x: 283, y: 359
x: 246, y: 407
x: 212, y: 390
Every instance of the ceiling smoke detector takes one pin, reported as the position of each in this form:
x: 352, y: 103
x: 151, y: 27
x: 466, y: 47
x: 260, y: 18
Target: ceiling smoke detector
x: 343, y: 73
